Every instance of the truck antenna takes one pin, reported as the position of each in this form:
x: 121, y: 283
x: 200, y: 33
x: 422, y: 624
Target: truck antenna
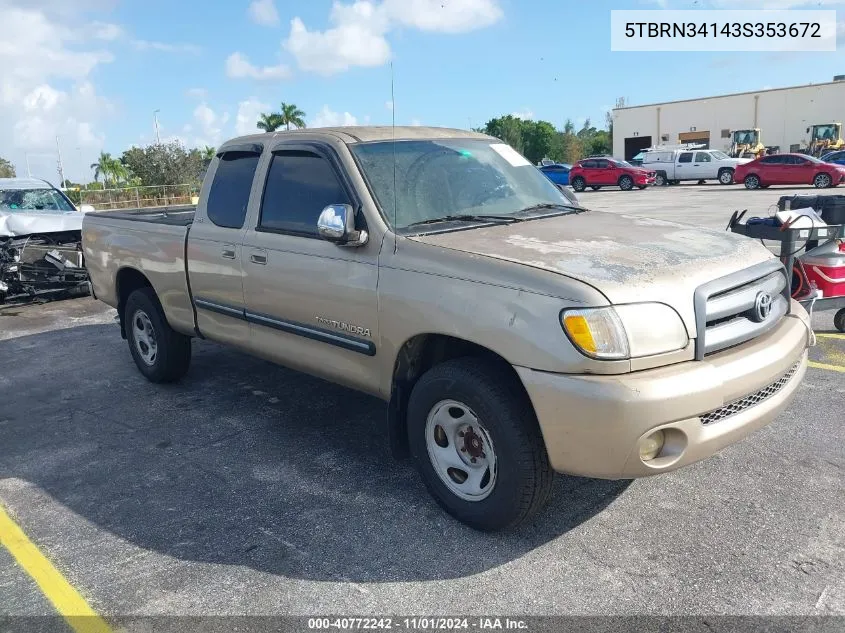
x: 393, y: 130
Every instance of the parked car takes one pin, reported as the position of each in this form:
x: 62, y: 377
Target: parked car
x: 30, y: 206
x: 835, y: 157
x: 789, y: 169
x: 608, y: 172
x: 511, y: 333
x: 674, y: 166
x: 558, y: 173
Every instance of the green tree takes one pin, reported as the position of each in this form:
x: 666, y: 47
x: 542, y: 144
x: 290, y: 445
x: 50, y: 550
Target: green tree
x: 208, y: 153
x: 103, y: 167
x: 269, y: 122
x: 118, y: 170
x: 164, y: 164
x: 7, y: 169
x: 291, y: 115
x: 538, y: 140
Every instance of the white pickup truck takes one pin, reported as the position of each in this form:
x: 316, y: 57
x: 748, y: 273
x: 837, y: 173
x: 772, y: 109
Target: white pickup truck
x: 673, y: 166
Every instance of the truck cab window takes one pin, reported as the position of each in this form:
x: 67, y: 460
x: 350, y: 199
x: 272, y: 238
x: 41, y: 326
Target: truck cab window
x: 702, y: 157
x: 229, y: 195
x: 299, y: 186
x: 686, y: 157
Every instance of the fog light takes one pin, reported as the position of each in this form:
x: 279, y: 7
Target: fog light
x: 651, y: 446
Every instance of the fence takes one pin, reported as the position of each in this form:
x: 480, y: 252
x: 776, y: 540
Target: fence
x: 137, y: 197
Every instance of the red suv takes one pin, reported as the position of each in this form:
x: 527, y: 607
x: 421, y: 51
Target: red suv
x: 608, y: 172
x: 788, y: 169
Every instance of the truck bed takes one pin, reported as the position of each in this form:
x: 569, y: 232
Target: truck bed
x: 173, y: 216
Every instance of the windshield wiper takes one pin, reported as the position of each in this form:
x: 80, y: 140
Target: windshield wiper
x: 504, y: 219
x: 552, y: 205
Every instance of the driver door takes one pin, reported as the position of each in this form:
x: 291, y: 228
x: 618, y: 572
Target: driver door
x: 311, y: 304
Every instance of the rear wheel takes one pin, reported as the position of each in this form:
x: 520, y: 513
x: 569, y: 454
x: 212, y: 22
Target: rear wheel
x: 726, y: 176
x: 579, y: 184
x: 626, y: 183
x: 160, y: 352
x: 477, y: 444
x: 839, y: 320
x: 752, y: 182
x: 822, y: 181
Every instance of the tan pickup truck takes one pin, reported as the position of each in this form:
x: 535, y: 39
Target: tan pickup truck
x: 512, y: 332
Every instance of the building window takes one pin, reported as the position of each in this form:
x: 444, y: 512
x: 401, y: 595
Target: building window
x: 726, y: 133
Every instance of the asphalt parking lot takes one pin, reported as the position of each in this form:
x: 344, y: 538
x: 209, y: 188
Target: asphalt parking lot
x: 250, y: 489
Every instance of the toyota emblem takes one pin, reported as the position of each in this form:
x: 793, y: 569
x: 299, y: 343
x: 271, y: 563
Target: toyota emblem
x: 762, y: 306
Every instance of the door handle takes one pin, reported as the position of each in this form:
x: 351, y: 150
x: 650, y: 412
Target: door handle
x: 259, y: 257
x: 228, y: 253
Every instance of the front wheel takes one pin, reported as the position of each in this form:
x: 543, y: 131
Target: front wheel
x: 161, y: 353
x: 822, y: 181
x: 752, y: 182
x: 839, y: 320
x: 726, y: 176
x: 660, y: 179
x: 579, y: 184
x: 477, y: 444
x: 626, y: 183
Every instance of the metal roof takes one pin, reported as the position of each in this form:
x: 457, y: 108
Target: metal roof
x: 24, y: 183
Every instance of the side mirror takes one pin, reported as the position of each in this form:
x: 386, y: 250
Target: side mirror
x: 808, y: 130
x: 337, y: 224
x: 86, y: 208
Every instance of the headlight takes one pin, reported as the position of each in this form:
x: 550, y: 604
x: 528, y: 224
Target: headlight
x: 625, y: 331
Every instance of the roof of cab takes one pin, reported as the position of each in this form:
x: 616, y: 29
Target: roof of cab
x: 24, y: 183
x: 363, y: 134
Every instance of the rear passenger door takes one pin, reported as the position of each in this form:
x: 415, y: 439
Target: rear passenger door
x: 588, y: 171
x: 683, y: 167
x: 604, y: 173
x: 214, y: 247
x: 311, y: 304
x: 774, y: 170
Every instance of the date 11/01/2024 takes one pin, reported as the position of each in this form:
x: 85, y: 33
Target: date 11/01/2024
x: 727, y: 29
x: 417, y: 624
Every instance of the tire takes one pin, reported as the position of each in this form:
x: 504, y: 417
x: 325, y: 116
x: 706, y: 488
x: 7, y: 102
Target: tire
x: 626, y: 183
x: 161, y: 353
x: 726, y: 176
x: 822, y: 181
x: 752, y: 182
x: 498, y: 414
x: 641, y: 186
x: 839, y: 320
x: 660, y: 179
x: 595, y: 187
x: 579, y: 184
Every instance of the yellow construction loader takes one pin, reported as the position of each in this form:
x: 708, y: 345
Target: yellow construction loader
x: 746, y: 144
x: 824, y: 138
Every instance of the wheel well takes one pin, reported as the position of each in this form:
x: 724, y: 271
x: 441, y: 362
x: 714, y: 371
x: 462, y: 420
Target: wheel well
x: 721, y: 169
x: 625, y: 176
x: 128, y: 281
x: 416, y: 356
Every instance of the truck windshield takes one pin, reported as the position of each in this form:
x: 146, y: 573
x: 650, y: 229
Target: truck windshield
x: 452, y: 177
x: 34, y: 201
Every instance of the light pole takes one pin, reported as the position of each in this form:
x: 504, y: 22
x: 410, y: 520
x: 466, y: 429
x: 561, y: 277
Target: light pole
x: 155, y: 121
x: 61, y: 167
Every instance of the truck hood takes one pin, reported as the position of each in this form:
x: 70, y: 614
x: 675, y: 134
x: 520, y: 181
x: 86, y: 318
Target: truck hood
x: 17, y: 223
x: 629, y: 259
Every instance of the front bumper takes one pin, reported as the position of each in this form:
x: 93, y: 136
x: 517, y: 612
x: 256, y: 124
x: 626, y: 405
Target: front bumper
x: 592, y: 425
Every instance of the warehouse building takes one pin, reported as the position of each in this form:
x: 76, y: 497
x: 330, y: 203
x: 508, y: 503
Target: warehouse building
x: 781, y: 114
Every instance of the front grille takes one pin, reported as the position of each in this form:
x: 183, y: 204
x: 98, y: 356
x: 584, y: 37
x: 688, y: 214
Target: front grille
x: 751, y: 400
x: 726, y: 309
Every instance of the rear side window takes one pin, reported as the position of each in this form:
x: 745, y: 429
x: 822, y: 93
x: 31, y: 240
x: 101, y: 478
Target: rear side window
x: 601, y: 164
x: 773, y: 160
x: 685, y: 157
x: 229, y: 194
x: 588, y: 164
x: 299, y: 186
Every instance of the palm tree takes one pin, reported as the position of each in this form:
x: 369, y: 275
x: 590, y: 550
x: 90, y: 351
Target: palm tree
x: 118, y: 170
x: 103, y: 167
x: 291, y: 115
x: 208, y: 153
x: 269, y: 122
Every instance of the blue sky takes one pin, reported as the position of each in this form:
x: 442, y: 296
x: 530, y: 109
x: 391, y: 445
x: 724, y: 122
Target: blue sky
x: 100, y: 70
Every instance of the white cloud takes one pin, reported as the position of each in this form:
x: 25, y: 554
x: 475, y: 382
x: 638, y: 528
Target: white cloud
x: 166, y: 47
x: 525, y: 114
x: 357, y: 36
x: 210, y: 125
x: 389, y: 105
x: 50, y: 93
x: 263, y: 12
x: 328, y: 118
x: 238, y: 66
x: 248, y: 112
x: 105, y: 31
x: 196, y: 93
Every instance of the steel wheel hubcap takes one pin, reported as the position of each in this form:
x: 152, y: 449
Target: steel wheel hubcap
x: 144, y: 336
x: 460, y: 450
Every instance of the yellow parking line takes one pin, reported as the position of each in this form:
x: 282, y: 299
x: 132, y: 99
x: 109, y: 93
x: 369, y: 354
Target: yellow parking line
x: 70, y: 605
x: 826, y: 366
x: 839, y: 336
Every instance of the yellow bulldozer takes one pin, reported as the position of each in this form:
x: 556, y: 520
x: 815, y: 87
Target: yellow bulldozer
x: 824, y: 138
x: 746, y: 144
